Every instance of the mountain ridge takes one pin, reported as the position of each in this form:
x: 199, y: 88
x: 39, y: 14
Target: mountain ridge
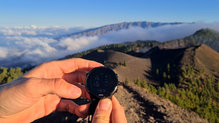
x: 98, y: 31
x: 135, y: 48
x: 203, y: 36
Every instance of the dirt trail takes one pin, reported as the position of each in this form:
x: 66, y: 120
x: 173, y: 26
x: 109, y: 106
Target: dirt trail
x: 140, y: 107
x: 135, y: 106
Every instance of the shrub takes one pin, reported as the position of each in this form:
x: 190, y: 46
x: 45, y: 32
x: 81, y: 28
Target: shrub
x: 7, y: 75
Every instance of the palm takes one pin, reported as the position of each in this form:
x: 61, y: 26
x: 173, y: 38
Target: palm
x: 48, y: 103
x: 37, y: 96
x: 45, y: 105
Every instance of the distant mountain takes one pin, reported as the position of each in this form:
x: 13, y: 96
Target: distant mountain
x: 204, y: 36
x: 176, y: 53
x: 138, y: 48
x: 169, y: 52
x: 116, y: 27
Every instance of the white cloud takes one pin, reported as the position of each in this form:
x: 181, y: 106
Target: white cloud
x: 163, y: 33
x: 3, y: 52
x: 33, y: 45
x: 77, y: 44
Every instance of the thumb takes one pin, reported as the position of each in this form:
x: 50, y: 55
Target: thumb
x: 59, y: 87
x: 103, y: 111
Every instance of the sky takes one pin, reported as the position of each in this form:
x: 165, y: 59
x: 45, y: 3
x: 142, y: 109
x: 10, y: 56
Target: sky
x: 93, y: 13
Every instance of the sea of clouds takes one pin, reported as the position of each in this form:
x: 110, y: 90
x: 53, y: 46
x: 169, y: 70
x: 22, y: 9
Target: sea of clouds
x: 31, y: 45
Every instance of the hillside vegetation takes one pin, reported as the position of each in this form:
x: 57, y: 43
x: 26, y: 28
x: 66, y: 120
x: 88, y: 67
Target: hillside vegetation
x: 199, y: 95
x: 188, y: 77
x: 7, y: 75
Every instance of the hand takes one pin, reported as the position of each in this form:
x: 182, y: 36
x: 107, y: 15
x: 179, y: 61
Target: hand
x: 108, y: 111
x: 40, y: 92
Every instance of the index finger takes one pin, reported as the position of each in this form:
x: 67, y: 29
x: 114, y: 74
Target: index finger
x: 56, y: 69
x: 70, y: 65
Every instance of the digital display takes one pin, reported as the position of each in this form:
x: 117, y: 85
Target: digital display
x: 101, y: 82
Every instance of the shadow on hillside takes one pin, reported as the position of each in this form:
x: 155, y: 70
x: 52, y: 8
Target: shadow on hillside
x: 150, y: 108
x: 165, y: 65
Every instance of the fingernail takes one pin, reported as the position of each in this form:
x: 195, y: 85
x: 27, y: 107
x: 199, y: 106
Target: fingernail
x: 104, y: 104
x: 75, y: 91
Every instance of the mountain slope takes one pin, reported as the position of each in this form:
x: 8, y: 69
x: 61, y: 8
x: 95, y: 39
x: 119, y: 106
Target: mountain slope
x: 203, y: 36
x: 167, y: 64
x: 142, y: 106
x: 157, y: 59
x: 135, y: 67
x: 207, y: 58
x: 203, y: 58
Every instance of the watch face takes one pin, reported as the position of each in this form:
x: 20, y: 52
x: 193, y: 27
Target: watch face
x: 101, y: 82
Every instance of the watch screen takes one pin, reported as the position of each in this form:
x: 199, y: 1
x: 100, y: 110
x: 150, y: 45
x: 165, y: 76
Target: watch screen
x: 101, y: 82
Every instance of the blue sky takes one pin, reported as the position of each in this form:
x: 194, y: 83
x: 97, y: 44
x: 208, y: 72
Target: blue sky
x: 92, y: 13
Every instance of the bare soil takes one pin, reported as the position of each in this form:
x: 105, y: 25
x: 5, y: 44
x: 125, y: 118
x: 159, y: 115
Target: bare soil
x: 144, y: 107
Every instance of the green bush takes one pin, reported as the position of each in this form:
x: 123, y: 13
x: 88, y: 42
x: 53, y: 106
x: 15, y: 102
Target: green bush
x: 127, y: 80
x: 199, y: 95
x: 122, y: 64
x: 8, y: 75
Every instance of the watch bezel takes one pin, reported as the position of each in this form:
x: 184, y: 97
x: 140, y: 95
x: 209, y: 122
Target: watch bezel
x: 101, y: 96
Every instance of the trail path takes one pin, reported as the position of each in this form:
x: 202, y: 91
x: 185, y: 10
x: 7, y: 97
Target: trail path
x: 142, y: 106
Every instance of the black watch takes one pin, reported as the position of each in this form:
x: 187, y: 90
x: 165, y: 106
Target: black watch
x: 101, y: 82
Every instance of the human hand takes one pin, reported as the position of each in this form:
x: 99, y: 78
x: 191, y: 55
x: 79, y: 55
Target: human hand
x: 40, y: 92
x: 108, y: 111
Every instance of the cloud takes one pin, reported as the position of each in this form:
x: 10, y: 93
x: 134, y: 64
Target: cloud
x: 30, y: 45
x: 23, y: 46
x: 3, y: 52
x: 77, y: 44
x: 163, y: 33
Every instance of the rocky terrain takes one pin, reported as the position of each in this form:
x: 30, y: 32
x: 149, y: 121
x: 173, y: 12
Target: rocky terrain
x: 142, y: 106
